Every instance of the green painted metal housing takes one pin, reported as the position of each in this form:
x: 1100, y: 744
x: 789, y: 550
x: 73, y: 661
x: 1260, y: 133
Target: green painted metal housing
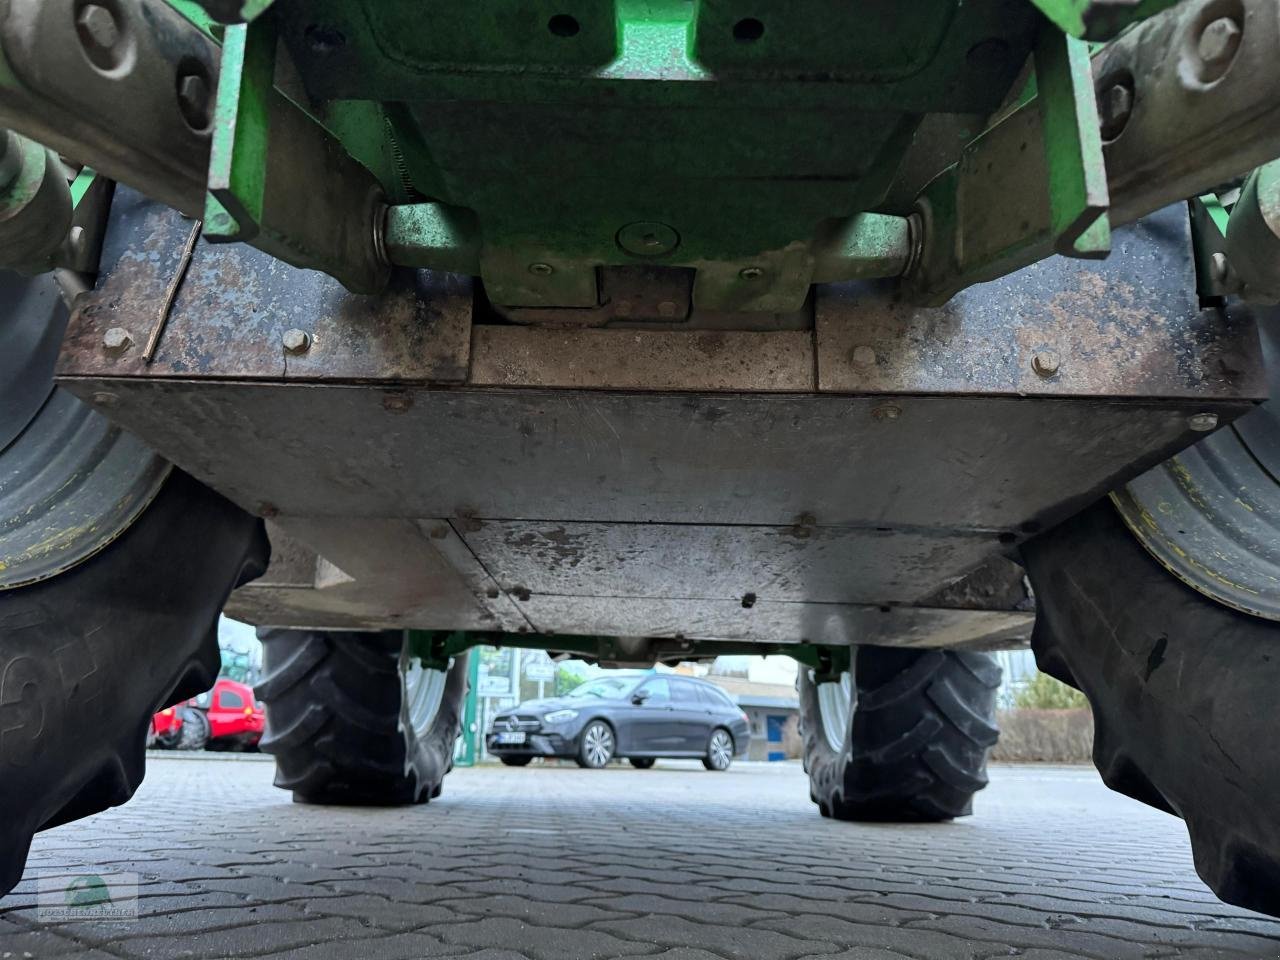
x: 551, y: 137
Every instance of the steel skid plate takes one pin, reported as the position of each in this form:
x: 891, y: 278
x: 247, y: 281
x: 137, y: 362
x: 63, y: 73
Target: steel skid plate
x: 440, y: 481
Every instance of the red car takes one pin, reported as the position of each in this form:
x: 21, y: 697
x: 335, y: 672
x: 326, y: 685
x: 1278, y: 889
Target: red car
x: 224, y: 718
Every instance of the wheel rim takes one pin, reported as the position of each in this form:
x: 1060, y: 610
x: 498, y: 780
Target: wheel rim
x: 721, y: 750
x: 1211, y: 514
x: 835, y: 703
x: 73, y: 482
x: 597, y: 744
x: 423, y: 694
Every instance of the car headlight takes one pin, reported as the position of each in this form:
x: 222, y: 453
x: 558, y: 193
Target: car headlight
x: 559, y: 716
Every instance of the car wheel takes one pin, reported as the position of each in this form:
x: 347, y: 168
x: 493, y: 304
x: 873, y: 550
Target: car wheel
x: 353, y: 719
x: 194, y: 732
x: 596, y: 746
x: 641, y: 763
x: 903, y: 737
x: 1182, y: 690
x: 515, y: 761
x: 719, y: 751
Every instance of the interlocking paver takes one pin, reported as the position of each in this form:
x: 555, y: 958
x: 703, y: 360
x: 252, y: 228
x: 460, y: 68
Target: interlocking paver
x: 738, y: 943
x: 532, y: 911
x: 541, y: 943
x: 676, y: 863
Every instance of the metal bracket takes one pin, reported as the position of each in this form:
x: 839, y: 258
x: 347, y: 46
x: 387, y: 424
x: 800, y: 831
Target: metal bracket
x: 1098, y: 19
x: 1031, y: 182
x: 1078, y: 197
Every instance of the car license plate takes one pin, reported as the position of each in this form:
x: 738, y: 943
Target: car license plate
x: 509, y: 738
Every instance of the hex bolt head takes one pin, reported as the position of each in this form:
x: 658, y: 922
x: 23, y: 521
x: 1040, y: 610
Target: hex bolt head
x: 541, y: 269
x: 887, y: 411
x: 1219, y: 41
x: 195, y: 101
x: 1115, y: 106
x: 1203, y: 422
x: 1046, y: 364
x: 648, y: 238
x: 97, y: 27
x: 750, y: 273
x: 117, y: 340
x: 1220, y: 267
x: 296, y: 341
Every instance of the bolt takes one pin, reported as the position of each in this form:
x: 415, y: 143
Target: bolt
x: 296, y: 341
x: 1045, y: 364
x: 1219, y: 267
x: 98, y: 30
x: 750, y: 273
x: 647, y: 238
x: 195, y: 101
x: 887, y: 411
x: 1115, y: 106
x: 1219, y: 41
x: 541, y: 269
x: 492, y: 593
x: 1203, y: 422
x: 864, y: 356
x: 667, y: 308
x: 105, y: 399
x: 521, y: 593
x: 397, y: 401
x: 117, y: 340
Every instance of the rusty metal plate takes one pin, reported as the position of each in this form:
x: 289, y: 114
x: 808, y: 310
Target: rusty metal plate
x: 951, y: 463
x: 236, y: 303
x: 374, y: 573
x: 748, y: 564
x: 1129, y: 326
x: 779, y: 622
x: 643, y: 359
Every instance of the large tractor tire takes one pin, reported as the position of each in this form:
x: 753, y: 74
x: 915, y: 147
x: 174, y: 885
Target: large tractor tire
x: 1163, y: 606
x: 88, y: 656
x: 194, y: 732
x: 113, y: 569
x: 903, y: 736
x: 353, y: 719
x: 1183, y: 691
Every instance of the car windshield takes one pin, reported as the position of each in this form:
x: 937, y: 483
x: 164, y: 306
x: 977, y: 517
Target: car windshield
x: 604, y: 688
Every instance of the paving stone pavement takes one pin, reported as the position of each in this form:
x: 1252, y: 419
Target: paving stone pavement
x: 673, y: 863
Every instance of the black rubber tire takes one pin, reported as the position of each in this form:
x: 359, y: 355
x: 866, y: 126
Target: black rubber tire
x: 1182, y: 689
x: 922, y: 725
x: 87, y: 657
x: 515, y: 761
x: 336, y: 722
x: 641, y: 763
x: 167, y: 742
x: 194, y: 732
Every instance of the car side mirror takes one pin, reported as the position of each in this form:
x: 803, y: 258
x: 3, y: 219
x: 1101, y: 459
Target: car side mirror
x: 639, y: 698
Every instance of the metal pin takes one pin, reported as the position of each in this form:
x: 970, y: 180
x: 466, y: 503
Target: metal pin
x: 166, y: 307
